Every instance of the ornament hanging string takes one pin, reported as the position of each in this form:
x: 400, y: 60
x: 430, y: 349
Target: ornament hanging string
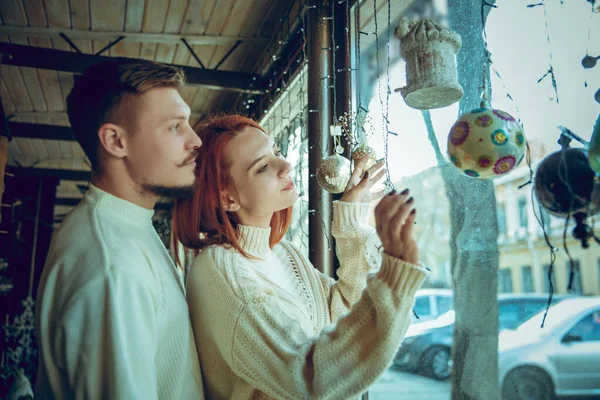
x: 551, y: 68
x: 539, y: 218
x: 384, y: 109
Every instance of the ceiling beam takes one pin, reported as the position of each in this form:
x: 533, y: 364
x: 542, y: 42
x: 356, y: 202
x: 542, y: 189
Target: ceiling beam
x: 39, y: 131
x: 62, y: 174
x: 66, y: 61
x: 137, y: 37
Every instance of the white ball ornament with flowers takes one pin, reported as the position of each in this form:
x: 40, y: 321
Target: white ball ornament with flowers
x: 486, y: 143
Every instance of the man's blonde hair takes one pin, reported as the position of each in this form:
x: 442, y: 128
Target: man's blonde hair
x: 98, y: 93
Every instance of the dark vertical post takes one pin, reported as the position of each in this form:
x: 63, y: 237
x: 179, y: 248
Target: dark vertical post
x: 319, y: 119
x: 4, y: 139
x: 343, y: 64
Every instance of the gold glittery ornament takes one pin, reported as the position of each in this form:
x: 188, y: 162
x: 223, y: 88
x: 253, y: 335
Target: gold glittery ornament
x: 333, y: 173
x: 363, y: 149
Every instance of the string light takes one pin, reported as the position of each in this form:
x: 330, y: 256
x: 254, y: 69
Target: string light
x: 303, y: 131
x: 551, y: 68
x: 553, y: 250
x: 540, y: 217
x: 385, y: 110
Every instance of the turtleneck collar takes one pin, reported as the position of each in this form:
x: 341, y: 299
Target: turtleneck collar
x: 255, y: 240
x: 124, y: 209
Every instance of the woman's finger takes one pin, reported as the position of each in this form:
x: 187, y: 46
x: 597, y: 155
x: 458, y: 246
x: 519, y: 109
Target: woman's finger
x: 392, y: 208
x: 399, y: 214
x: 380, y: 209
x: 359, y: 168
x: 377, y: 166
x: 364, y: 182
x: 409, y: 225
x: 376, y: 178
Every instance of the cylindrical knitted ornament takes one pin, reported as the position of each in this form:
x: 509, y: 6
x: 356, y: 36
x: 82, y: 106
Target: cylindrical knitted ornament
x: 430, y: 54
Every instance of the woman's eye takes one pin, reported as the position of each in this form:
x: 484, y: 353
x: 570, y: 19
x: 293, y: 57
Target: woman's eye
x: 175, y: 127
x: 263, y: 169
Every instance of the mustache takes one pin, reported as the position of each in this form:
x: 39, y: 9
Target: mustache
x: 188, y: 160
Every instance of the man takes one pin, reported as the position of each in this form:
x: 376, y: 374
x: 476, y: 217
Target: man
x: 112, y: 320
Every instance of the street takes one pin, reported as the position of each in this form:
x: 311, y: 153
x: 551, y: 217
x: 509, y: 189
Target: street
x: 398, y: 385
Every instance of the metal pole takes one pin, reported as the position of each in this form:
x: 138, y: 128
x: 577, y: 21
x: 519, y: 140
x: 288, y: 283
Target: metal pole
x: 4, y: 139
x: 343, y: 65
x: 320, y: 242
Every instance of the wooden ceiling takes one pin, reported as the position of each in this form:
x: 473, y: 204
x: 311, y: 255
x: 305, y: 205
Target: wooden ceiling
x: 153, y: 30
x: 223, y: 42
x: 225, y: 35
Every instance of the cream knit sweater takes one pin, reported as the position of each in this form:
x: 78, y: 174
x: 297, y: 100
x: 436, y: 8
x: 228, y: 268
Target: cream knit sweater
x: 257, y: 340
x: 112, y: 320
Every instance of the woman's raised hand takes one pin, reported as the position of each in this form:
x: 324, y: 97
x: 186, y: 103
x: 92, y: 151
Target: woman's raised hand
x: 358, y: 187
x: 395, y: 220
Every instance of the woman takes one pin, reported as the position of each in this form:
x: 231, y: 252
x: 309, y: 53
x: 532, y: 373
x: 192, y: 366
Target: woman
x: 263, y: 316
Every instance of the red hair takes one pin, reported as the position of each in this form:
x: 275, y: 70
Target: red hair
x: 201, y: 220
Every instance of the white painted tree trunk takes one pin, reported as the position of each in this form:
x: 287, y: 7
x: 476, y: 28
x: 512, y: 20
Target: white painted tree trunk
x: 474, y: 231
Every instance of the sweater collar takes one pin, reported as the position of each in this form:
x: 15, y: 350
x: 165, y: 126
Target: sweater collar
x: 124, y: 209
x: 255, y: 240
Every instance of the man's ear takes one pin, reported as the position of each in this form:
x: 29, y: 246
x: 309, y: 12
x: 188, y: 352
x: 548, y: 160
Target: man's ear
x: 229, y: 202
x: 113, y: 140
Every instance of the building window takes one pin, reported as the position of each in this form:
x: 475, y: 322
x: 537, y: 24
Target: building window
x: 576, y: 286
x: 545, y: 280
x: 501, y: 219
x: 526, y: 279
x: 505, y: 281
x: 522, y: 204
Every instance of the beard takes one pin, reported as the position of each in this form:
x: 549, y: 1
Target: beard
x: 152, y: 189
x: 174, y: 192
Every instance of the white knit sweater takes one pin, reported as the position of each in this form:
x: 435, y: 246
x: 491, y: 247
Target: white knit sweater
x: 257, y: 340
x: 112, y: 320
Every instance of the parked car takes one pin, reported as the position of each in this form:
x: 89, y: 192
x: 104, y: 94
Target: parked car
x: 427, y: 347
x: 431, y: 303
x: 560, y: 359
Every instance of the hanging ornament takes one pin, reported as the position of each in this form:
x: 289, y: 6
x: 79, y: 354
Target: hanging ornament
x: 359, y: 142
x: 486, y: 143
x: 589, y: 61
x: 333, y: 173
x: 363, y: 149
x: 594, y: 148
x: 430, y: 54
x: 567, y: 186
x: 564, y: 183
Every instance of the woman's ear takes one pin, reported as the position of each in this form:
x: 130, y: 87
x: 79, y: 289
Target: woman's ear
x: 230, y: 204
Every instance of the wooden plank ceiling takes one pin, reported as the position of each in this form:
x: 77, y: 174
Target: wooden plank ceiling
x: 226, y: 35
x: 211, y: 27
